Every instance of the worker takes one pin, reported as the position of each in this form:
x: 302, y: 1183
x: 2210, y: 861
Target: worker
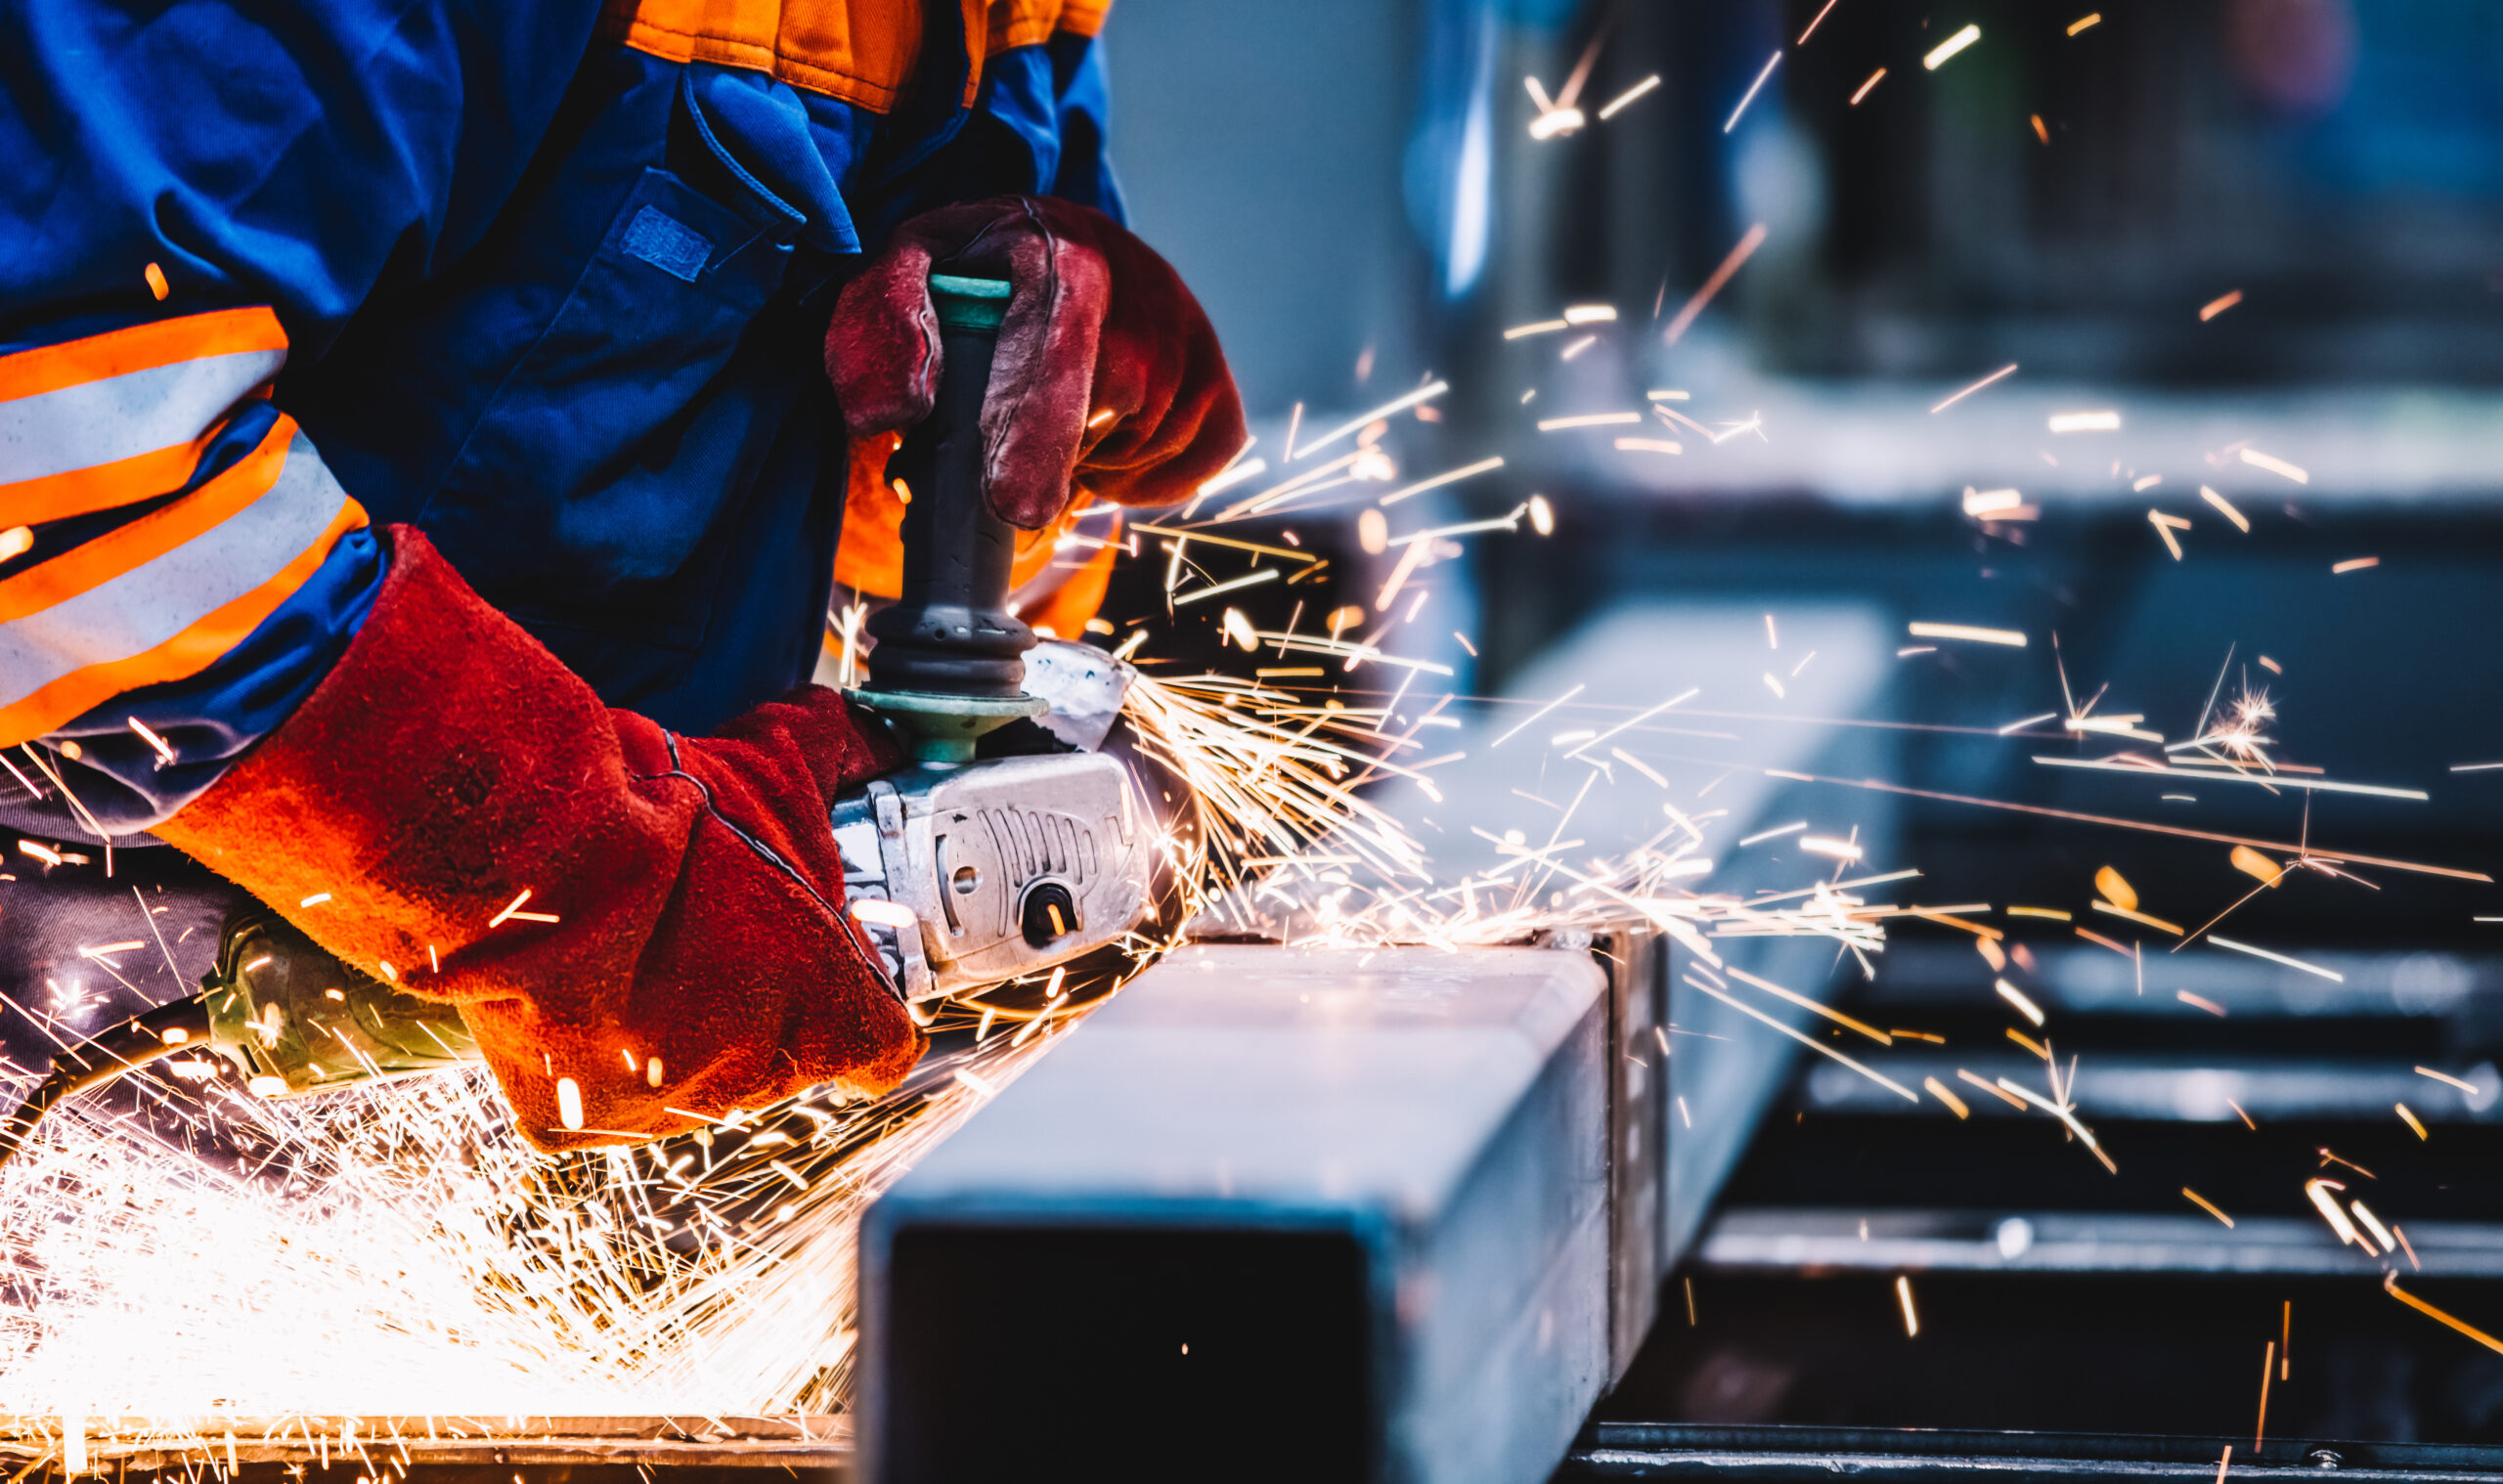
x: 424, y: 432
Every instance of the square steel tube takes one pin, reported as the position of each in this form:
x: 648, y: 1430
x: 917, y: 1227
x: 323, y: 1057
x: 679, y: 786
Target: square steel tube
x: 1283, y: 1213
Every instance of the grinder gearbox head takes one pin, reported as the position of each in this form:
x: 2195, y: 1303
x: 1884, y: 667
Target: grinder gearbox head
x: 969, y: 876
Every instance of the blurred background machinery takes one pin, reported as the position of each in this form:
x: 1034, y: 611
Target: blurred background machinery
x: 2075, y: 193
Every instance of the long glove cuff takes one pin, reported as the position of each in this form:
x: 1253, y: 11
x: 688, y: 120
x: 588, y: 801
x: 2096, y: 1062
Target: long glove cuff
x: 653, y: 919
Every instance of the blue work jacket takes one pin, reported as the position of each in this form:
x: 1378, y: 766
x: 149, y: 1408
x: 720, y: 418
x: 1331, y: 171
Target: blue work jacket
x: 554, y: 301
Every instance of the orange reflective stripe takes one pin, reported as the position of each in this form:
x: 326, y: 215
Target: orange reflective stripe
x: 141, y: 347
x: 83, y: 492
x: 185, y: 654
x: 152, y: 535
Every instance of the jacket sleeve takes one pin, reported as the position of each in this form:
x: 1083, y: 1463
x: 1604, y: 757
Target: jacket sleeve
x: 192, y: 198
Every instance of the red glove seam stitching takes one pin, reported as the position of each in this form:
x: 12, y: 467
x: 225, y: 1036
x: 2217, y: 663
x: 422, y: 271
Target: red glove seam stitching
x: 772, y: 857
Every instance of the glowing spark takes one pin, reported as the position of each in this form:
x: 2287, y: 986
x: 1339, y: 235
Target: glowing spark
x: 1220, y: 483
x: 1587, y: 419
x: 319, y: 898
x: 2201, y: 1002
x: 2218, y: 305
x: 1988, y: 502
x: 1821, y: 845
x: 2225, y: 508
x: 163, y: 749
x: 2372, y: 1224
x: 1535, y: 327
x: 2017, y: 997
x: 1939, y: 54
x: 1812, y: 1006
x: 2009, y: 369
x: 1251, y: 579
x: 2013, y: 638
x: 1771, y: 63
x: 1721, y: 276
x: 1427, y: 393
x: 883, y: 913
x: 2205, y: 1205
x: 2317, y: 1191
x: 2470, y: 1088
x: 2164, y: 529
x: 2086, y: 422
x: 1938, y: 1089
x: 2275, y: 465
x: 2409, y: 1116
x: 1534, y: 716
x: 1882, y: 1080
x: 2354, y: 564
x: 2278, y: 958
x: 2067, y: 1118
x: 2082, y: 23
x: 1903, y: 1293
x: 2390, y: 1282
x: 1875, y: 78
x: 1614, y: 105
x: 1650, y: 446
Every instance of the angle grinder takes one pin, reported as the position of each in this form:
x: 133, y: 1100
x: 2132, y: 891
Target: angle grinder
x: 964, y: 872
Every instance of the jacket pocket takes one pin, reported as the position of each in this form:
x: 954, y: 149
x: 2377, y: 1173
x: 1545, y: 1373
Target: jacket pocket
x: 602, y: 458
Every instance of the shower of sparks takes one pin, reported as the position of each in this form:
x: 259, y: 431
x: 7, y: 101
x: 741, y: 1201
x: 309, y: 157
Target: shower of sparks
x: 200, y: 1257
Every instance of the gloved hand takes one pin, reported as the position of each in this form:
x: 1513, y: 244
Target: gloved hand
x: 683, y: 945
x: 1097, y: 324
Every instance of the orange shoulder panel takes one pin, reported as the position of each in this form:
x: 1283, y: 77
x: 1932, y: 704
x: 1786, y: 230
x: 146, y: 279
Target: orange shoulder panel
x: 861, y: 51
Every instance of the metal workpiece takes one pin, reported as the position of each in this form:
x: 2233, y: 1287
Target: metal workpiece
x: 1777, y: 1454
x: 1369, y: 1213
x: 1725, y: 1068
x: 1007, y: 867
x: 442, y: 1448
x: 1771, y: 1239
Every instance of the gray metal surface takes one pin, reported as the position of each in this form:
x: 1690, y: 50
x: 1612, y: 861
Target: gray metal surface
x: 2171, y: 1087
x: 417, y: 1447
x: 1768, y: 1455
x: 1777, y: 1240
x: 1449, y: 1113
x: 1717, y: 750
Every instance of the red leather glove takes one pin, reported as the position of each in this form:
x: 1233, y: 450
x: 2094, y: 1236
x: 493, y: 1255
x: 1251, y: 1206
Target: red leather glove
x: 690, y: 950
x: 1096, y: 323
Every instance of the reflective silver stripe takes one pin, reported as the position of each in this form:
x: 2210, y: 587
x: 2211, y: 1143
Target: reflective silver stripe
x: 153, y: 602
x: 122, y: 416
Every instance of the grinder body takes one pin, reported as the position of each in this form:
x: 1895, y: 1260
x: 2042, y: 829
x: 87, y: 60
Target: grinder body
x: 1006, y: 866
